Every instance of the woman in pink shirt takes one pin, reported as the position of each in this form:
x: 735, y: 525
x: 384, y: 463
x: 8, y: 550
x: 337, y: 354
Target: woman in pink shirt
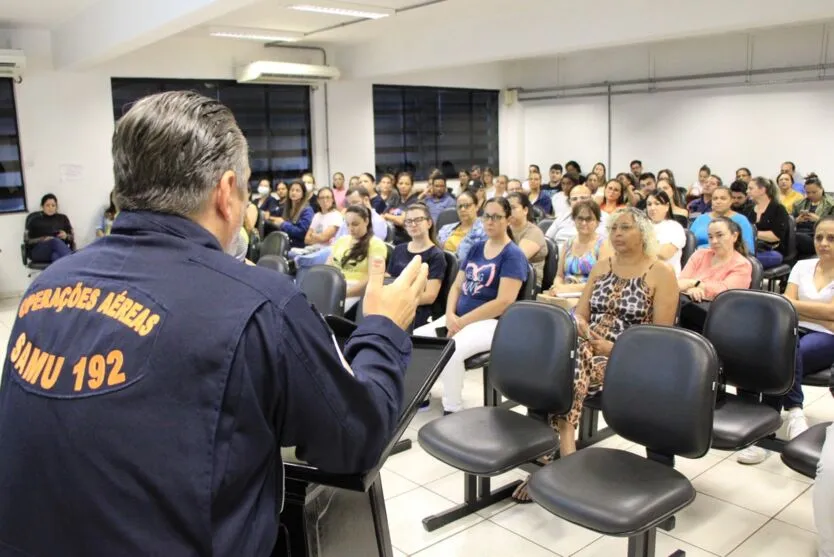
x: 710, y: 271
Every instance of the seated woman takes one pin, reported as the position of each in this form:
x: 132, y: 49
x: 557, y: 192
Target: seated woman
x: 526, y: 234
x: 396, y: 213
x: 771, y: 220
x: 107, y: 219
x: 811, y: 291
x: 351, y: 253
x: 326, y: 222
x: 581, y: 252
x: 629, y: 288
x: 49, y: 232
x: 709, y: 272
x: 489, y: 280
x: 297, y: 217
x: 272, y: 206
x: 808, y: 213
x: 423, y: 242
x: 386, y: 190
x: 615, y: 196
x: 671, y: 237
x: 788, y: 196
x: 722, y: 202
x: 680, y: 214
x: 459, y: 237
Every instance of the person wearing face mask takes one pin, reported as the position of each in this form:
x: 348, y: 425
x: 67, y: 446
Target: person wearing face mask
x: 156, y: 378
x: 721, y: 203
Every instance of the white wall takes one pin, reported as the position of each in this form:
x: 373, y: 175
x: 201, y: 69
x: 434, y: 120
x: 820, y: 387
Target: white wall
x: 757, y: 126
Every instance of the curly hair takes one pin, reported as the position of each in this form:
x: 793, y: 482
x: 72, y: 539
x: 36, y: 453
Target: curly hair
x: 643, y: 223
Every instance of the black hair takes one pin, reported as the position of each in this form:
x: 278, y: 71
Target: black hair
x: 426, y: 213
x: 575, y: 165
x: 369, y: 175
x: 358, y: 252
x: 705, y: 168
x: 635, y: 161
x: 524, y: 201
x: 361, y: 190
x: 589, y: 205
x: 739, y: 186
x: 438, y: 177
x: 733, y: 226
x: 535, y: 166
x: 333, y: 206
x: 744, y: 168
x: 623, y: 192
x: 47, y: 197
x: 469, y: 194
x: 505, y: 206
x: 292, y: 211
x: 813, y: 180
x: 718, y: 179
x: 111, y: 210
x: 647, y: 175
x: 663, y: 199
x: 793, y: 166
x: 556, y: 166
x: 573, y: 177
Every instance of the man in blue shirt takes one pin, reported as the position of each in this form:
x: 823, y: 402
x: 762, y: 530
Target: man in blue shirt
x: 790, y: 168
x: 438, y: 198
x: 151, y: 379
x: 703, y: 204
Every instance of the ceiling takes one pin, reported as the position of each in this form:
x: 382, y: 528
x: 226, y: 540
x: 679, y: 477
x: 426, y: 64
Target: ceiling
x: 40, y: 13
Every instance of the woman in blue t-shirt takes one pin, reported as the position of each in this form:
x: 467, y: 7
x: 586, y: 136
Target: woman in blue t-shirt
x: 722, y: 207
x: 489, y: 280
x: 417, y: 222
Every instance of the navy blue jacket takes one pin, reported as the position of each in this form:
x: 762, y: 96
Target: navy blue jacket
x: 150, y: 382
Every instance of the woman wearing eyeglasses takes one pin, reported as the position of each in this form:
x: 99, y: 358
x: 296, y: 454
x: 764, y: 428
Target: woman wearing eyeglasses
x: 459, y: 237
x: 489, y: 280
x: 423, y: 242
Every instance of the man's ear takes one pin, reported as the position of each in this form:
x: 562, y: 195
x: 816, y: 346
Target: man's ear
x: 226, y: 189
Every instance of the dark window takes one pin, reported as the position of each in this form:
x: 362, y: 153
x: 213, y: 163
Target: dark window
x: 274, y: 118
x: 422, y: 128
x: 12, y: 195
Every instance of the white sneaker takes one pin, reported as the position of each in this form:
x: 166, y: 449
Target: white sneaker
x: 752, y: 455
x: 797, y: 423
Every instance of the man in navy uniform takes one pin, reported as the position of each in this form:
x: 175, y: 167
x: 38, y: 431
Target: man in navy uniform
x: 151, y: 379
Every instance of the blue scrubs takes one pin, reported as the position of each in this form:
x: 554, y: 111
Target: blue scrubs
x: 149, y: 383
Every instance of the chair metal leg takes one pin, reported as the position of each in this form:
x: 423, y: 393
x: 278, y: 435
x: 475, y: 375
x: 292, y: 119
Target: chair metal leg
x: 642, y: 545
x: 401, y: 446
x: 476, y: 496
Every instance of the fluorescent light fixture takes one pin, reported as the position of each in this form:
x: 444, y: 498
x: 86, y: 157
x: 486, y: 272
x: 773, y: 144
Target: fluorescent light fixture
x: 358, y: 11
x: 262, y: 35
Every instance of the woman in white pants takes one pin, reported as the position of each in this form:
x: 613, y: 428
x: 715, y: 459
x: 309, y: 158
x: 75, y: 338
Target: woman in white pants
x: 824, y: 495
x: 488, y: 282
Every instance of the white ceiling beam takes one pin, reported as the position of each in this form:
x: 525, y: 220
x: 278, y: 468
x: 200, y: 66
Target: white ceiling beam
x: 111, y: 28
x: 547, y: 28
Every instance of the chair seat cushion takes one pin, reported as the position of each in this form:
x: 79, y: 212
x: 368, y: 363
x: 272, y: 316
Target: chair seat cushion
x: 477, y: 361
x: 38, y: 266
x: 818, y: 379
x: 777, y: 271
x: 611, y: 491
x: 594, y: 401
x: 486, y: 441
x: 802, y: 453
x: 738, y: 423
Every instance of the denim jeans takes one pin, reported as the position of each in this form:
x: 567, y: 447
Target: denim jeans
x: 49, y: 250
x: 769, y: 259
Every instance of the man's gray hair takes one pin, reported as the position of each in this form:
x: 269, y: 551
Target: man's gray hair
x: 170, y: 150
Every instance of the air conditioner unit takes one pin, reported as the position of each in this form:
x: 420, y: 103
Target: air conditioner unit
x: 12, y: 63
x: 286, y: 72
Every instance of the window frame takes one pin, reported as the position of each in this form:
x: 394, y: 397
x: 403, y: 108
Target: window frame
x: 20, y: 158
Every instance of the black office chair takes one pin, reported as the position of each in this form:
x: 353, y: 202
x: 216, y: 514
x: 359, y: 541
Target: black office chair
x: 325, y: 288
x: 754, y: 334
x: 802, y: 453
x: 757, y: 276
x: 446, y: 216
x: 253, y: 252
x: 275, y: 243
x: 817, y: 379
x: 538, y: 214
x: 689, y: 247
x: 544, y: 225
x: 438, y: 309
x: 775, y: 275
x: 551, y: 265
x: 533, y: 364
x: 391, y: 234
x: 275, y: 262
x: 619, y: 493
x: 34, y: 267
x: 390, y: 251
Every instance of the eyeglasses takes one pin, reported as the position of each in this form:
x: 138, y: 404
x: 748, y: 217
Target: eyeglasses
x: 412, y: 222
x: 464, y: 206
x: 585, y: 220
x: 493, y: 218
x: 580, y: 198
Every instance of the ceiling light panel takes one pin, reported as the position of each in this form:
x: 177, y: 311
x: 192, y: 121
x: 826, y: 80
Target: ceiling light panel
x: 261, y: 35
x: 353, y: 11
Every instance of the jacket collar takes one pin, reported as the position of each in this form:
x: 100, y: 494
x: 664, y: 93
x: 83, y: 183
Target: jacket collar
x: 130, y: 223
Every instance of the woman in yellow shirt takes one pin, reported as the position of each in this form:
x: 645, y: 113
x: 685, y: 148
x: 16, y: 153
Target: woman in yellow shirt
x: 352, y: 252
x: 788, y: 196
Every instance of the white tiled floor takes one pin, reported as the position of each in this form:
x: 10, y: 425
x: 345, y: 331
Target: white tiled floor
x: 742, y: 511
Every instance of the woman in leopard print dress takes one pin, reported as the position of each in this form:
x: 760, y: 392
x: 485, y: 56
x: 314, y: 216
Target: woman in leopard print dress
x: 630, y: 288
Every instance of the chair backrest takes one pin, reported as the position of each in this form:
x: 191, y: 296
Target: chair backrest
x: 532, y: 356
x: 676, y: 370
x: 391, y: 233
x: 754, y: 334
x: 275, y: 243
x: 757, y: 276
x: 791, y: 250
x: 544, y: 225
x: 438, y: 309
x: 325, y: 288
x: 528, y: 288
x: 538, y: 214
x: 689, y: 247
x: 24, y: 246
x: 389, y: 251
x: 551, y: 264
x: 253, y: 252
x: 446, y: 216
x: 275, y: 262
